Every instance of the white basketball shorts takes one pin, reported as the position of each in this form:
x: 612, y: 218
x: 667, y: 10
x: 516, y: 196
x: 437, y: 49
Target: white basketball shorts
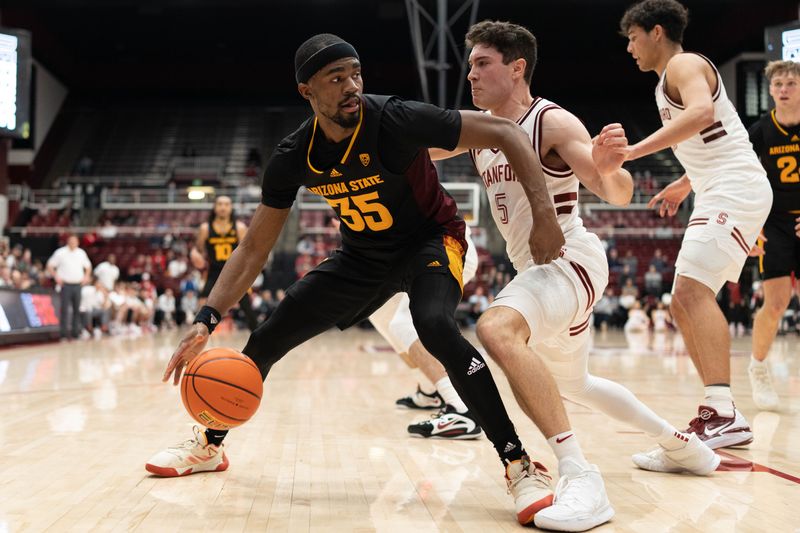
x: 725, y: 223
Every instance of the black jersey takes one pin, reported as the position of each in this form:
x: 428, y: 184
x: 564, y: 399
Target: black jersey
x: 380, y: 181
x: 778, y: 147
x: 220, y: 246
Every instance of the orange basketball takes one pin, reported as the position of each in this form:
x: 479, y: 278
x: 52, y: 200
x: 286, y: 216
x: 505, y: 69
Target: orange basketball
x: 221, y: 388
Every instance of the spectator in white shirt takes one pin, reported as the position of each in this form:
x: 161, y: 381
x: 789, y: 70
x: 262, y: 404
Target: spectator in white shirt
x: 165, y: 309
x: 70, y: 268
x: 177, y: 267
x: 107, y: 272
x: 189, y: 305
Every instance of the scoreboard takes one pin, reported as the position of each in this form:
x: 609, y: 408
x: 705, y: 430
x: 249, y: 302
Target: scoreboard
x: 15, y: 75
x: 783, y: 42
x: 27, y: 316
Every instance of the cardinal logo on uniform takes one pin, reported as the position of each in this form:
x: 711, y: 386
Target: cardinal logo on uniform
x: 364, y: 159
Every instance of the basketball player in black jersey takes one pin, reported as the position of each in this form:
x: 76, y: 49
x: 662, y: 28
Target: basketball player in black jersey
x: 367, y: 156
x: 776, y: 140
x: 218, y: 238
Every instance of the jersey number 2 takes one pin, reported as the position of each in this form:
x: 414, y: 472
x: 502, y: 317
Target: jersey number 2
x: 788, y: 166
x: 359, y: 218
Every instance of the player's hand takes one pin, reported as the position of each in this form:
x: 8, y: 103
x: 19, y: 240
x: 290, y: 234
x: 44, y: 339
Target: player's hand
x: 546, y: 238
x: 58, y: 280
x: 758, y: 248
x: 190, y: 347
x: 670, y: 197
x: 607, y: 149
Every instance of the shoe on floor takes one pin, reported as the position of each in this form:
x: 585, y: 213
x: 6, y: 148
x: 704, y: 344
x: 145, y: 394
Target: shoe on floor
x: 580, y: 502
x: 695, y: 458
x: 190, y: 457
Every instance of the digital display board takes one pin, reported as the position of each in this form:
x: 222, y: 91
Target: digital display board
x: 28, y: 315
x: 783, y: 42
x: 15, y: 75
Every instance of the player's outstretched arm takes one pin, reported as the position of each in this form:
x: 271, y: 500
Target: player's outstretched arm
x: 479, y: 130
x: 236, y: 277
x: 686, y: 73
x: 598, y: 163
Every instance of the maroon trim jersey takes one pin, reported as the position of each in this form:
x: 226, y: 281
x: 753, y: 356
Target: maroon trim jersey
x: 380, y: 181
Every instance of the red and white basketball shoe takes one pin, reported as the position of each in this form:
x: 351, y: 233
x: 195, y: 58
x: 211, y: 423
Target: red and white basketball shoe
x: 529, y: 483
x: 720, y: 431
x: 189, y: 457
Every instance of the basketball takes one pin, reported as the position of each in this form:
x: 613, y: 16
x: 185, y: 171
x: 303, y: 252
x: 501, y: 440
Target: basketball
x: 221, y: 388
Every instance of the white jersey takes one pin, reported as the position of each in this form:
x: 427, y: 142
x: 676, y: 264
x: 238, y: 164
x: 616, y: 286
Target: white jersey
x: 719, y: 152
x: 510, y: 207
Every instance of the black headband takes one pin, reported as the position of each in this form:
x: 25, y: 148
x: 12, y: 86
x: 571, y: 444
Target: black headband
x: 322, y: 57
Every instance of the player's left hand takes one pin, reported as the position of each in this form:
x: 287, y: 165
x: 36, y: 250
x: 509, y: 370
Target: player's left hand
x: 607, y: 148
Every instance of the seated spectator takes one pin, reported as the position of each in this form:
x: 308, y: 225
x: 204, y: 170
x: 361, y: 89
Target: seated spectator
x: 662, y: 320
x: 632, y: 262
x: 606, y: 310
x: 95, y: 309
x: 165, y: 310
x: 108, y: 231
x: 638, y: 321
x: 629, y: 294
x: 625, y: 275
x: 159, y: 260
x: 177, y: 267
x: 653, y: 282
x: 614, y: 264
x: 266, y: 306
x: 25, y: 262
x: 479, y: 303
x: 189, y: 306
x: 107, y: 272
x: 658, y: 261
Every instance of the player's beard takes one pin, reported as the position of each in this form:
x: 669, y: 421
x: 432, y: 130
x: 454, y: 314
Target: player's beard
x: 346, y: 120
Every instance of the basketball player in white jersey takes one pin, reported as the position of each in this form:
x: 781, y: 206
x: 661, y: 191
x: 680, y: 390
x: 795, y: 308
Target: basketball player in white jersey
x: 393, y: 321
x: 539, y: 324
x: 732, y: 200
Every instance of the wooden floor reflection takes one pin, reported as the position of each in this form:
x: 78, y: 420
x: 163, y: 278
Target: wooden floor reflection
x: 328, y: 451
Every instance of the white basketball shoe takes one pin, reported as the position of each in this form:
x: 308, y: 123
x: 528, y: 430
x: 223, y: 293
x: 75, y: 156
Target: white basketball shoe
x: 189, y: 457
x: 764, y: 395
x: 696, y: 457
x: 529, y: 483
x: 580, y: 502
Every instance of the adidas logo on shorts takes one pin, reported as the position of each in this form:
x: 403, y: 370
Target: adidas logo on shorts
x: 474, y: 366
x: 509, y: 447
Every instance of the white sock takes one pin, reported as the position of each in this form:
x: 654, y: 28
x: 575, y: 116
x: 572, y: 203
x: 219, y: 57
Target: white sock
x: 449, y: 394
x: 671, y: 439
x: 566, y: 445
x: 719, y: 397
x: 756, y: 363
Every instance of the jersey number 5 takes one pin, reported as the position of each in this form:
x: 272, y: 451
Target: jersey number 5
x: 367, y: 213
x: 788, y: 166
x: 501, y: 206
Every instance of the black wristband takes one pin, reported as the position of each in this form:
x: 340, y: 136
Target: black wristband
x: 208, y: 316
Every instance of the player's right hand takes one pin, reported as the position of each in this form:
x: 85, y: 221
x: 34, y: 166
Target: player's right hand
x: 670, y: 197
x: 758, y: 248
x: 190, y: 347
x: 546, y: 239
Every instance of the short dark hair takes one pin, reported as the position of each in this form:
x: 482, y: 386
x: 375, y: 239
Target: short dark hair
x: 669, y: 14
x: 511, y: 40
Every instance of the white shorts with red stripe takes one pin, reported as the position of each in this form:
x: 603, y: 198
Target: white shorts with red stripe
x: 723, y: 226
x: 556, y: 301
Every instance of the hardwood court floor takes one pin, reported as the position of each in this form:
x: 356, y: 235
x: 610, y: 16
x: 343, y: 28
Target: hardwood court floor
x: 328, y: 450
